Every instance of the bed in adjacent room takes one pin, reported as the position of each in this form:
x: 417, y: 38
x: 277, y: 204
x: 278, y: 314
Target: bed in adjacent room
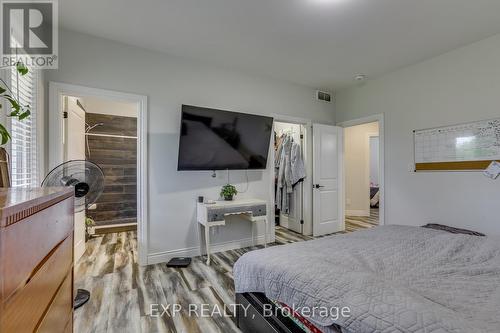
x: 391, y: 278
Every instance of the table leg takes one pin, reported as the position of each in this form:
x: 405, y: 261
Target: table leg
x: 253, y: 234
x: 201, y: 228
x: 207, y: 242
x: 265, y: 232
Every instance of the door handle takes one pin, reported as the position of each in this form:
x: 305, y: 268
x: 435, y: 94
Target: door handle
x: 317, y: 186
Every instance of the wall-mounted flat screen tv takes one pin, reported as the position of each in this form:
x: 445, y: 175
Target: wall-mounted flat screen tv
x: 213, y: 139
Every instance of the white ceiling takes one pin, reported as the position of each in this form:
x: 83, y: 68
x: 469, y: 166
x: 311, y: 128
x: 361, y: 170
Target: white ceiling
x: 319, y: 43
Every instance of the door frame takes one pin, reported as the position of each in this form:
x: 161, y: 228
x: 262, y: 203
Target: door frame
x: 76, y: 116
x: 56, y: 149
x: 365, y: 120
x: 307, y: 184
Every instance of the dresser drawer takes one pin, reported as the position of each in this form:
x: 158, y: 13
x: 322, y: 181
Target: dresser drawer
x: 23, y: 310
x: 25, y: 243
x: 69, y: 326
x: 60, y: 311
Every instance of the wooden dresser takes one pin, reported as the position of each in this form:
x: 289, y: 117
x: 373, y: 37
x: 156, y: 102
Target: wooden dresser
x: 36, y: 260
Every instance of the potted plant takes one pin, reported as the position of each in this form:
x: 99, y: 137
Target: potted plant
x: 90, y: 226
x: 228, y: 191
x: 18, y: 111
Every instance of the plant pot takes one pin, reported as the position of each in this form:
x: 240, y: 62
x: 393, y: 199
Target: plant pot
x: 230, y: 198
x: 91, y: 230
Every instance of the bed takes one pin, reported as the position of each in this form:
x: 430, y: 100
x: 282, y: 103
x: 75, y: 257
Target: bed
x: 391, y: 278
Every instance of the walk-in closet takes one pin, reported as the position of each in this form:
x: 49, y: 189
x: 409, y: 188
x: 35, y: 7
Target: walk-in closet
x: 290, y: 173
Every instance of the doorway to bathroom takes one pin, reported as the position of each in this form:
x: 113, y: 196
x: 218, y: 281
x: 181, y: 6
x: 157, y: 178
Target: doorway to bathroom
x: 109, y: 129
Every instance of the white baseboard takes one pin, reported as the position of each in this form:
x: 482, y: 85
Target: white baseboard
x: 357, y: 213
x: 160, y: 257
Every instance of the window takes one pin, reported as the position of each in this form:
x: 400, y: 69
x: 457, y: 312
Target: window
x: 24, y: 153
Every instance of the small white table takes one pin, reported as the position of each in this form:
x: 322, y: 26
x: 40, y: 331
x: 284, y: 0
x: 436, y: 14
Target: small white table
x: 212, y: 215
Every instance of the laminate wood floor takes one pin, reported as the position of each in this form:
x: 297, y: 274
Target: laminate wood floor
x: 122, y: 292
x: 353, y: 223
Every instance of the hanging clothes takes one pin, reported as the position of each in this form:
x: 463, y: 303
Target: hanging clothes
x: 277, y: 155
x: 289, y: 171
x: 298, y: 169
x: 281, y: 199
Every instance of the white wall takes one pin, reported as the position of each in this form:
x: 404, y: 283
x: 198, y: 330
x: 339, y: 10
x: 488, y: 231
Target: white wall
x: 109, y: 107
x: 460, y: 86
x: 357, y: 168
x: 169, y: 82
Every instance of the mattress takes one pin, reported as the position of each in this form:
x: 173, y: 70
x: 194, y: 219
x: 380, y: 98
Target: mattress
x: 391, y: 278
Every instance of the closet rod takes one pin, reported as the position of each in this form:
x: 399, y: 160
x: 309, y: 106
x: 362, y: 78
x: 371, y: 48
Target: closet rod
x: 112, y: 135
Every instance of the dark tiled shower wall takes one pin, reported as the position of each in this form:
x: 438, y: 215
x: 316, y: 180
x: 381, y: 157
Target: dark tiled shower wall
x: 117, y: 156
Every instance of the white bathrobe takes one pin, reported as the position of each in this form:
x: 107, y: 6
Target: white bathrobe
x: 290, y: 171
x: 298, y: 169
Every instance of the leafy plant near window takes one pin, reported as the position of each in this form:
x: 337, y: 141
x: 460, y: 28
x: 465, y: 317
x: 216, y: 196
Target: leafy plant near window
x: 17, y: 110
x: 228, y: 191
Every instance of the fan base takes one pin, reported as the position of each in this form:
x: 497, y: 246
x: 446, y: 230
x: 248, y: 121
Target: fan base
x: 82, y: 297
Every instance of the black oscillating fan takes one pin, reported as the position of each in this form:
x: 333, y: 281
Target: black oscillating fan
x: 88, y: 180
x: 86, y: 177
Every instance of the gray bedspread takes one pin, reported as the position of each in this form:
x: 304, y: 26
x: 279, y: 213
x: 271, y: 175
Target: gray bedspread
x: 392, y: 278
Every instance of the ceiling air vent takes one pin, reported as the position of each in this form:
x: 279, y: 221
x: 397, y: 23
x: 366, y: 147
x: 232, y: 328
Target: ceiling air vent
x: 323, y: 96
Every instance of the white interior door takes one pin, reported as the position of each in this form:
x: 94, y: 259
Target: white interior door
x: 74, y: 149
x: 293, y: 218
x: 328, y: 211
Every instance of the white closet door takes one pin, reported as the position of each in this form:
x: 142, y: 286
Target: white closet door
x: 74, y: 149
x: 328, y: 212
x: 292, y: 220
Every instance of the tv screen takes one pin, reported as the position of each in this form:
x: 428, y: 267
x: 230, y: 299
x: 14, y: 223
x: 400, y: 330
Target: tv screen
x: 213, y: 139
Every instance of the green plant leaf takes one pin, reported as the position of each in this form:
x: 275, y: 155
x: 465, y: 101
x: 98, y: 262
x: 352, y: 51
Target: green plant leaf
x: 14, y: 104
x: 228, y: 190
x: 2, y: 90
x: 5, y: 136
x: 89, y: 222
x: 21, y: 68
x: 24, y: 115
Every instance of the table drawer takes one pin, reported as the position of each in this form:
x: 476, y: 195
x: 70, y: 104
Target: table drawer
x: 61, y: 309
x: 26, y: 243
x: 23, y: 310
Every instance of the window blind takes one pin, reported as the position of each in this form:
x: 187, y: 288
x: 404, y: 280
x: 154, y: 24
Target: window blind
x: 24, y: 154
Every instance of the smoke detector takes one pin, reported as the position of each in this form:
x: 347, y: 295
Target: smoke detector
x: 323, y: 96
